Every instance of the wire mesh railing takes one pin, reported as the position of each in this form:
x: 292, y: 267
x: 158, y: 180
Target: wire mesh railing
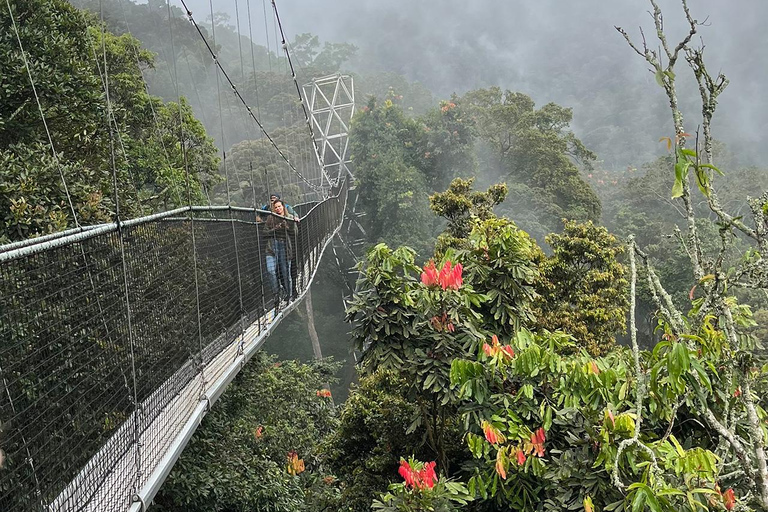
x: 113, y: 339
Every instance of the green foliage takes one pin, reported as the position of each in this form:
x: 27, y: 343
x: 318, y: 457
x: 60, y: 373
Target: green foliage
x: 583, y: 287
x: 459, y: 206
x: 238, y: 458
x: 535, y: 151
x: 64, y: 49
x: 365, y: 449
x: 583, y: 404
x: 393, y: 192
x: 501, y: 263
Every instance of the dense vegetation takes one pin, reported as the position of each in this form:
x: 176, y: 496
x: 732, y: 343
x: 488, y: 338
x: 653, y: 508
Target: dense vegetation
x: 66, y: 50
x: 490, y: 378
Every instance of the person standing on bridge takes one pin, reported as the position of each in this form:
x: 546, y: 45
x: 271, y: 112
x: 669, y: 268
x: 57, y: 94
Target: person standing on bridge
x: 280, y: 230
x: 275, y: 197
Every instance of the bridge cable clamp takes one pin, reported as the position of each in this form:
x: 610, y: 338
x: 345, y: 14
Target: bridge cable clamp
x: 204, y: 397
x: 138, y: 499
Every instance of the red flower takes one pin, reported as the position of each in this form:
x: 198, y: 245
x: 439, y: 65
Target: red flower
x: 418, y: 478
x: 508, y: 351
x: 429, y: 276
x: 488, y: 350
x: 450, y: 276
x: 325, y: 393
x: 428, y: 475
x: 406, y: 472
x: 737, y: 393
x: 729, y: 499
x: 492, y: 434
x: 520, y: 457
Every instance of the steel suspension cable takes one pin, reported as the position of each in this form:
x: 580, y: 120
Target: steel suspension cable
x: 112, y: 118
x: 185, y: 157
x: 226, y: 177
x: 42, y: 114
x: 266, y: 35
x: 298, y: 88
x: 242, y: 99
x: 146, y: 89
x: 137, y: 412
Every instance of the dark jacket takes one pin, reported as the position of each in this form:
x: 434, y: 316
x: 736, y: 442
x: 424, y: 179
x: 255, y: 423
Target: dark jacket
x: 283, y: 229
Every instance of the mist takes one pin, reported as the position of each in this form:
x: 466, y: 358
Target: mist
x: 563, y: 52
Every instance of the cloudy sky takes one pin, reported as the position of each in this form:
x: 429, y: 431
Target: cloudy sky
x: 554, y: 50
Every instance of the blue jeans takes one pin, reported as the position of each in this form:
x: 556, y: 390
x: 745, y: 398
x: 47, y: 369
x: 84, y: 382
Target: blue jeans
x: 278, y: 268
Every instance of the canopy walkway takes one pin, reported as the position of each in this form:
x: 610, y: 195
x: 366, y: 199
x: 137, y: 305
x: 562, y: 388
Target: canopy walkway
x: 116, y: 340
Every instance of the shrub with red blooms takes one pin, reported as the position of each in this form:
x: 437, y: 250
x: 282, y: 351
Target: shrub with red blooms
x: 422, y: 490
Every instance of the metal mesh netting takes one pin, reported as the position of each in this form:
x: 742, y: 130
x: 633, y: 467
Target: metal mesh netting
x: 104, y: 357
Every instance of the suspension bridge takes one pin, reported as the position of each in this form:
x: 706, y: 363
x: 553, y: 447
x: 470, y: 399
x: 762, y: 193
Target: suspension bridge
x: 117, y: 338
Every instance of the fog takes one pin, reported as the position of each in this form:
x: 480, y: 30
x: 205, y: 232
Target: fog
x: 552, y: 50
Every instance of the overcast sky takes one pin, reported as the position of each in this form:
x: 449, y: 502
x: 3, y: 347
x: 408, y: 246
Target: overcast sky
x: 553, y: 50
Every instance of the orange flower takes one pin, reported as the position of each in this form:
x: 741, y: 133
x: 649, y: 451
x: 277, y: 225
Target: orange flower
x: 520, y: 457
x: 495, y: 348
x: 258, y: 432
x: 536, y: 446
x: 500, y: 464
x: 325, y: 393
x: 295, y: 464
x: 729, y: 499
x: 492, y: 434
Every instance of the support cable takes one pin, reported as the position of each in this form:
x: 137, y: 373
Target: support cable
x: 266, y: 35
x: 298, y: 90
x: 151, y: 103
x: 42, y: 115
x: 226, y: 177
x: 242, y: 100
x: 112, y: 118
x: 188, y: 180
x: 137, y: 412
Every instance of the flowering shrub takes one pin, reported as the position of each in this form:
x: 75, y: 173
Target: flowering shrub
x: 422, y: 490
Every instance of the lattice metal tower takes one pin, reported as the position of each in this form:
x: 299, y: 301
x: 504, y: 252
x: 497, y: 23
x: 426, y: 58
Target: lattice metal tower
x: 331, y: 105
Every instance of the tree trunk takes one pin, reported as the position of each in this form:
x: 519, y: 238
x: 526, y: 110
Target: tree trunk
x: 311, y: 325
x: 310, y: 317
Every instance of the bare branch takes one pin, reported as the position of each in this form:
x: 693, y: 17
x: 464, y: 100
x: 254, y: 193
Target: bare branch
x: 629, y: 41
x: 756, y: 432
x: 641, y: 389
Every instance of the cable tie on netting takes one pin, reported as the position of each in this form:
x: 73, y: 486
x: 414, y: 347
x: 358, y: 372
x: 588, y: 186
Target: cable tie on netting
x: 205, y: 398
x: 136, y: 498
